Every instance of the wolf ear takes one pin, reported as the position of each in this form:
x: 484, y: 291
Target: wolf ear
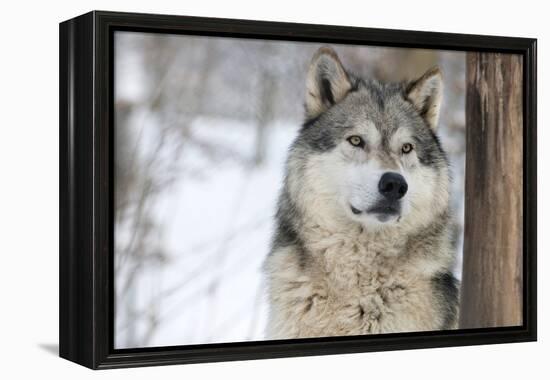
x: 327, y: 82
x: 425, y: 94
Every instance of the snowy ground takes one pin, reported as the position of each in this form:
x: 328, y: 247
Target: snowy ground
x: 217, y: 231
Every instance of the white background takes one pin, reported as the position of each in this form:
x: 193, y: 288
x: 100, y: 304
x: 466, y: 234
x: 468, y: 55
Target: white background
x: 29, y: 187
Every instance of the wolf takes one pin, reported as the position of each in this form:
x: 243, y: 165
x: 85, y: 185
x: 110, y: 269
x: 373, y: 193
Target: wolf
x: 363, y: 232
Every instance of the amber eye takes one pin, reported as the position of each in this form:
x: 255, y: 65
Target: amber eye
x: 356, y: 141
x: 407, y: 148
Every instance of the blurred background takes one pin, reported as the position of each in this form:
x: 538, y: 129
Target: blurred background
x: 202, y: 129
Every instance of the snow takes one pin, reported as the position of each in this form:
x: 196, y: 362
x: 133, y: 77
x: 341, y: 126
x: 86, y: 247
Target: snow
x: 217, y: 231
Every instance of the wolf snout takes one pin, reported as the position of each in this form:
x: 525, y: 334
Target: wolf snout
x: 392, y: 186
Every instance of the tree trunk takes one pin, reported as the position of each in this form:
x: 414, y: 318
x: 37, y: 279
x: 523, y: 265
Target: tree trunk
x: 264, y: 116
x: 491, y: 293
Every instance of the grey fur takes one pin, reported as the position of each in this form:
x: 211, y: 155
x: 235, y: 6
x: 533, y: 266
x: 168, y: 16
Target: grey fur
x: 446, y: 289
x: 330, y: 273
x: 386, y: 105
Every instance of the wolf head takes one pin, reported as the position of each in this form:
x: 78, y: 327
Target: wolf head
x: 368, y: 151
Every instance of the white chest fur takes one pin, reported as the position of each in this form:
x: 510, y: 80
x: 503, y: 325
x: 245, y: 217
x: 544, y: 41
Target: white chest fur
x: 349, y: 285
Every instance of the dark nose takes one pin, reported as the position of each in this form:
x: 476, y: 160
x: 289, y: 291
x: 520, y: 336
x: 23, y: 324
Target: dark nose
x: 392, y: 186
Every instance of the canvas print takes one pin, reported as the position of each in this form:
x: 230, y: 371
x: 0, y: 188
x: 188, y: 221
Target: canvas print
x: 281, y: 190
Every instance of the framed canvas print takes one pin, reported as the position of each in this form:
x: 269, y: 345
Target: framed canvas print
x: 237, y: 189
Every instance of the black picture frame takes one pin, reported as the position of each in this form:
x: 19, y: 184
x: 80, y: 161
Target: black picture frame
x: 86, y: 191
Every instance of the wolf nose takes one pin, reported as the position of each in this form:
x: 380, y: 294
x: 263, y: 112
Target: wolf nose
x: 392, y: 186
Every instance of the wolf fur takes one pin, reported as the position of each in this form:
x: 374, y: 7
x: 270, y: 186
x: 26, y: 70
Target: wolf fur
x: 345, y: 260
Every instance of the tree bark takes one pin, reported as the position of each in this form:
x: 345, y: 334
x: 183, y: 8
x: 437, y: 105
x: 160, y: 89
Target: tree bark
x: 491, y: 293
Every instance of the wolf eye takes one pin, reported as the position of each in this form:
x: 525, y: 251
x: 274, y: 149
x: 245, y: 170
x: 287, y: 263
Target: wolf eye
x: 356, y: 141
x: 407, y: 148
